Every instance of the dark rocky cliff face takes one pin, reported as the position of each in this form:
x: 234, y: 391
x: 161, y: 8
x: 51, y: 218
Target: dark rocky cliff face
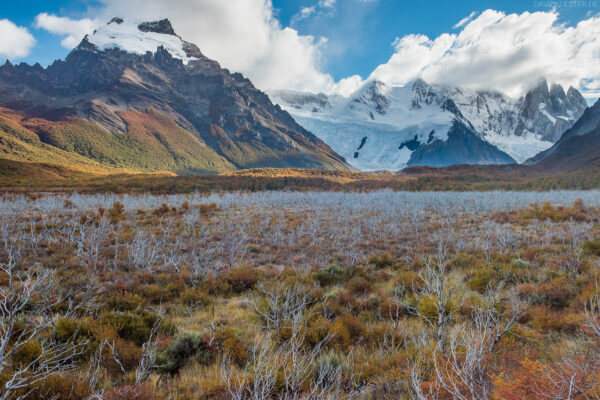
x: 223, y: 109
x: 550, y: 112
x: 578, y: 147
x: 463, y: 146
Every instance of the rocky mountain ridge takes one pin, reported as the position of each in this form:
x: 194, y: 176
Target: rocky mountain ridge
x: 129, y: 74
x: 389, y: 118
x: 578, y: 147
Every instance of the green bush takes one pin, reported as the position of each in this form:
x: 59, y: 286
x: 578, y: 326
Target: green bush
x: 196, y: 297
x: 182, y: 349
x: 332, y: 274
x: 27, y: 353
x: 479, y: 281
x: 384, y: 260
x: 125, y: 302
x: 130, y: 326
x: 66, y: 329
x: 592, y: 247
x: 464, y: 260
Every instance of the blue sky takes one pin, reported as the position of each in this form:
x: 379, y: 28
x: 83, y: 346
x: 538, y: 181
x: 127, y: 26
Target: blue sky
x: 371, y: 27
x: 361, y: 32
x: 23, y: 13
x: 349, y: 37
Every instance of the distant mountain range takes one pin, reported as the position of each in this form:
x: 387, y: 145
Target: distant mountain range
x: 136, y: 97
x: 389, y: 127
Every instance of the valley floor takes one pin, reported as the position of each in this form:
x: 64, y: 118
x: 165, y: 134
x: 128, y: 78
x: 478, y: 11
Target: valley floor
x: 301, y: 295
x: 20, y: 176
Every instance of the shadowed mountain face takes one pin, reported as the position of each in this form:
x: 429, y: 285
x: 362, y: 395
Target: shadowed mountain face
x: 550, y: 112
x: 463, y: 146
x: 144, y: 89
x: 579, y: 147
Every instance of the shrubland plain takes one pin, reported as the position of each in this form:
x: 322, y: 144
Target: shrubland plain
x: 300, y: 295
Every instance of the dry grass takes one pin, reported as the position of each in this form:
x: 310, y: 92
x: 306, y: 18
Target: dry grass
x: 353, y: 262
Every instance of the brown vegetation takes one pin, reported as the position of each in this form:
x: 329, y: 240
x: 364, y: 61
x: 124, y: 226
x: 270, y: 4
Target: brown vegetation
x: 304, y: 296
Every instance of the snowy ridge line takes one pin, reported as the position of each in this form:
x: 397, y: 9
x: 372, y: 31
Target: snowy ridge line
x: 393, y: 117
x: 126, y: 35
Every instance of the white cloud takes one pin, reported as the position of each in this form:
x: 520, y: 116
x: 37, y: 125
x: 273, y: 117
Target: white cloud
x: 347, y: 86
x: 492, y: 50
x: 465, y: 20
x: 73, y: 30
x: 242, y: 35
x: 503, y: 52
x: 327, y: 3
x: 15, y: 41
x: 322, y: 8
x: 304, y: 13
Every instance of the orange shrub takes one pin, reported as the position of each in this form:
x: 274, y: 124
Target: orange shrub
x: 163, y: 209
x: 525, y: 290
x: 359, y: 286
x: 409, y: 279
x: 116, y: 213
x: 557, y: 292
x: 128, y: 354
x: 240, y: 279
x: 384, y: 260
x: 546, y: 211
x: 545, y: 319
x: 347, y: 330
x: 317, y: 330
x: 65, y: 386
x: 236, y: 350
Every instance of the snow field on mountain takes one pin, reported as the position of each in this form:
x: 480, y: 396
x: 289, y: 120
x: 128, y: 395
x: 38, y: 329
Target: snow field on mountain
x: 126, y: 36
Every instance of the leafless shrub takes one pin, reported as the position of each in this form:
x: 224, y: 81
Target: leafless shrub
x: 280, y: 304
x: 27, y: 300
x: 441, y: 290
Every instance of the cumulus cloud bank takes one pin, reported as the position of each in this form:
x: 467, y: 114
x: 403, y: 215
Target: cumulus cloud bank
x: 15, y: 41
x: 73, y: 30
x: 243, y: 35
x: 503, y: 52
x: 492, y: 50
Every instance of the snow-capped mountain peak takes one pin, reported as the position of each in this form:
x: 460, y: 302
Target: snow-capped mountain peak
x: 422, y: 94
x: 142, y: 37
x: 381, y: 126
x: 371, y: 97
